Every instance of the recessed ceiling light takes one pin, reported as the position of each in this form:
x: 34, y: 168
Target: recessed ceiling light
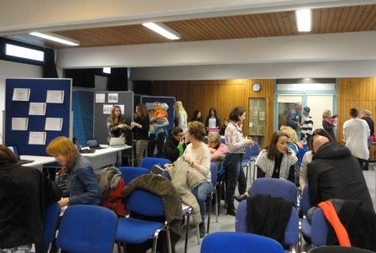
x: 304, y: 20
x: 163, y: 30
x: 56, y: 38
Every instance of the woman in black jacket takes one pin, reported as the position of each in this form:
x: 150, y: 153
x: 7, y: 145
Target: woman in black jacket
x: 25, y: 192
x: 174, y: 145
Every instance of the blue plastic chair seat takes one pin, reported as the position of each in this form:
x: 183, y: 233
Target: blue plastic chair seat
x: 136, y: 231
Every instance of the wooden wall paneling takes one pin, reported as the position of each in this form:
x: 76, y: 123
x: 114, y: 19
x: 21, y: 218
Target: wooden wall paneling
x: 354, y: 92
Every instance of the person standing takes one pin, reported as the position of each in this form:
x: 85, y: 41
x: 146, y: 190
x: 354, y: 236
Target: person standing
x: 306, y: 129
x: 328, y: 122
x: 82, y: 182
x: 25, y: 193
x: 181, y: 116
x: 355, y: 133
x: 212, y: 122
x: 366, y: 115
x: 116, y: 123
x: 236, y: 143
x: 140, y: 127
x: 197, y: 116
x: 293, y: 119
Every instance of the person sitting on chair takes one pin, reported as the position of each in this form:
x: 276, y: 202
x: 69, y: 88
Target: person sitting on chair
x: 276, y: 161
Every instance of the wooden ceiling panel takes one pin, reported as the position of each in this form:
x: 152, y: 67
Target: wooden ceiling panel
x: 328, y: 20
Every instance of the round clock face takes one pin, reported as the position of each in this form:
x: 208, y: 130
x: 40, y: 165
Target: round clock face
x: 256, y: 87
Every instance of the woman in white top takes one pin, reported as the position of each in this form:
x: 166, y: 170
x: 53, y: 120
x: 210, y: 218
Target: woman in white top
x: 197, y: 155
x: 212, y: 121
x: 180, y: 116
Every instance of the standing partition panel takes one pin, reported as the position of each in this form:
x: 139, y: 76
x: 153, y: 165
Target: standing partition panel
x: 103, y: 103
x: 37, y: 111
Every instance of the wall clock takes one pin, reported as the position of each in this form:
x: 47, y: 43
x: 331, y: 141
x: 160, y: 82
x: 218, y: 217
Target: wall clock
x: 256, y: 87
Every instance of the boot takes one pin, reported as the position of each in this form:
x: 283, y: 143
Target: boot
x: 231, y: 210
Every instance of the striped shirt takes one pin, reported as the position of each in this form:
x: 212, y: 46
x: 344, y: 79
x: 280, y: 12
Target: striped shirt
x: 306, y: 129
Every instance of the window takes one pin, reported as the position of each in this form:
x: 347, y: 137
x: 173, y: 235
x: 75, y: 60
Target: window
x: 24, y: 52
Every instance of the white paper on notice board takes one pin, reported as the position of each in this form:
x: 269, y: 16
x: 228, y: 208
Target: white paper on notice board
x: 55, y: 96
x: 21, y: 94
x: 100, y: 98
x: 53, y: 124
x: 37, y: 109
x: 19, y: 124
x: 37, y: 138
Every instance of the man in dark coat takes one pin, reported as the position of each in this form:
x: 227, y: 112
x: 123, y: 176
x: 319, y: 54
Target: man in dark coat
x: 335, y: 173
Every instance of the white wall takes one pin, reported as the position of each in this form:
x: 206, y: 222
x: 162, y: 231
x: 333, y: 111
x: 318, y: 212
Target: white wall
x: 324, y: 55
x: 14, y: 70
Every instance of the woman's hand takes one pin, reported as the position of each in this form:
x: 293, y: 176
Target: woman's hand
x: 63, y: 202
x: 188, y: 160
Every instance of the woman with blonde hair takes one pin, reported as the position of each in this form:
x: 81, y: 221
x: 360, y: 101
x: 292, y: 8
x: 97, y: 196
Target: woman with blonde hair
x: 180, y: 116
x: 82, y: 182
x: 328, y: 122
x: 294, y: 143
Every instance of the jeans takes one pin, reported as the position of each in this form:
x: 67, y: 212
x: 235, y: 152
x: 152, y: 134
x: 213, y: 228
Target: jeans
x: 141, y: 147
x: 235, y: 175
x: 201, y: 193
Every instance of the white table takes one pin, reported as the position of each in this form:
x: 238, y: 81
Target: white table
x: 106, y: 156
x: 39, y: 161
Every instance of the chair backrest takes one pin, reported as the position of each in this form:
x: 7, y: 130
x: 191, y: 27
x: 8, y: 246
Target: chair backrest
x: 50, y: 222
x: 87, y: 228
x: 129, y: 173
x: 291, y: 232
x: 319, y: 228
x: 275, y: 187
x: 214, y: 173
x: 148, y: 162
x: 224, y: 242
x: 304, y: 200
x: 145, y: 203
x: 301, y: 153
x: 339, y: 249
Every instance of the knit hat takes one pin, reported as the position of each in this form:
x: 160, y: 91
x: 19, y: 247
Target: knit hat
x: 306, y: 110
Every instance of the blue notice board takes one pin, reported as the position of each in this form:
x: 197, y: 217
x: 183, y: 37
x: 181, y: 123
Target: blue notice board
x: 37, y: 111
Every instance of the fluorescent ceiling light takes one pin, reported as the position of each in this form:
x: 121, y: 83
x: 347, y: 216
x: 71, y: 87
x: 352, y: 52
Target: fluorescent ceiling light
x: 56, y: 38
x: 163, y: 30
x: 304, y: 20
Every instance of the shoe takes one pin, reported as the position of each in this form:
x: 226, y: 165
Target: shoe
x: 231, y: 211
x: 240, y: 198
x: 202, y: 229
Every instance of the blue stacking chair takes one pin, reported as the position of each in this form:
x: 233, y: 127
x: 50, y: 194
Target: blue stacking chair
x: 138, y: 231
x: 129, y: 173
x: 148, y: 162
x: 249, y: 157
x: 51, y: 219
x: 87, y: 228
x: 274, y: 187
x: 225, y: 242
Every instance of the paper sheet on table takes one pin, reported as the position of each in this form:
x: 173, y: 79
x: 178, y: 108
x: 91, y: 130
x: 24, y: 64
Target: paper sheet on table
x: 21, y: 94
x: 55, y: 96
x: 37, y: 109
x: 20, y: 124
x: 53, y: 124
x: 37, y: 138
